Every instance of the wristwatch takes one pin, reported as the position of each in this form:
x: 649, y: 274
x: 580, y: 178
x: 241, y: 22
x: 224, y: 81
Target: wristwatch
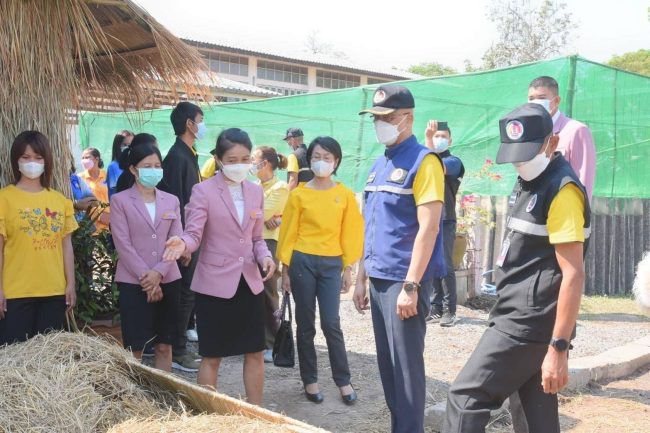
x: 560, y: 344
x: 410, y: 286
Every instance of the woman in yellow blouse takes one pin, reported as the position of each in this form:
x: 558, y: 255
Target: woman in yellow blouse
x: 265, y: 161
x: 36, y: 260
x: 95, y: 176
x: 321, y: 236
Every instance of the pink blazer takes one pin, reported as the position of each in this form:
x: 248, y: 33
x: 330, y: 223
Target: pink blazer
x: 139, y: 242
x: 228, y: 249
x: 577, y: 146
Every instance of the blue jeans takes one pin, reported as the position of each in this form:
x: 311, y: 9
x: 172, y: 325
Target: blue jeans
x: 318, y: 277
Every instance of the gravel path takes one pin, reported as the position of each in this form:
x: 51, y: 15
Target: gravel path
x: 446, y: 352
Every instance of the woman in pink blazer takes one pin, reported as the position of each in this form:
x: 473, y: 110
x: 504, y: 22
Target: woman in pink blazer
x: 225, y: 217
x: 142, y: 220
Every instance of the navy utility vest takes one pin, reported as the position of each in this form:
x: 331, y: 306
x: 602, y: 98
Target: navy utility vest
x: 390, y: 215
x: 304, y: 171
x: 529, y: 276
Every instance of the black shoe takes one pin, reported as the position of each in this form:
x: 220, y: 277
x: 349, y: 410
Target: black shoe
x: 435, y: 315
x: 448, y: 320
x: 350, y: 399
x: 314, y: 398
x: 148, y: 351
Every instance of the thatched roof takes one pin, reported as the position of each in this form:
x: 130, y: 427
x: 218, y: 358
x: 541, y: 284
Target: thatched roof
x: 59, y: 54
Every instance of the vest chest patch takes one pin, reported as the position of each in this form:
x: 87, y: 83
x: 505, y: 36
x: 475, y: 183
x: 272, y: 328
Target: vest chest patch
x: 531, y: 204
x: 398, y: 176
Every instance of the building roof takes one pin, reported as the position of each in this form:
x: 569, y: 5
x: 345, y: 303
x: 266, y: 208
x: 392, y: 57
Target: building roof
x: 215, y: 81
x: 317, y: 60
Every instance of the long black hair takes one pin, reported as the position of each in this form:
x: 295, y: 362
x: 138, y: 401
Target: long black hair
x: 95, y: 154
x: 141, y: 147
x: 118, y: 141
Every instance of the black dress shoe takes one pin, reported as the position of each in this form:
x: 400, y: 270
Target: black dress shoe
x: 314, y: 398
x: 349, y: 399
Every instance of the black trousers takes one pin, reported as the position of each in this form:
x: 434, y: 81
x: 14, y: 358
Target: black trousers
x: 499, y: 366
x: 444, y: 289
x: 271, y: 298
x: 185, y: 307
x: 26, y: 317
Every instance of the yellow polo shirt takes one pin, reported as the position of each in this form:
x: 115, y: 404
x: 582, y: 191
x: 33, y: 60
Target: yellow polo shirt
x: 429, y: 183
x: 276, y: 194
x: 566, y: 217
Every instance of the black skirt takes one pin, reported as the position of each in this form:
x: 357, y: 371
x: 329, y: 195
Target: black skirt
x: 228, y: 327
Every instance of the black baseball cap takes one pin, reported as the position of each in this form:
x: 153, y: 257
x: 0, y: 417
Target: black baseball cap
x: 389, y: 98
x: 293, y: 132
x: 523, y: 132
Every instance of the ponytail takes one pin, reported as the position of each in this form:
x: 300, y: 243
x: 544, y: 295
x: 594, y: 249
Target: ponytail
x: 141, y: 147
x: 276, y: 160
x: 283, y: 162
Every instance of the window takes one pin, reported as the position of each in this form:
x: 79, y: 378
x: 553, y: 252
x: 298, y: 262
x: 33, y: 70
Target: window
x: 283, y: 90
x: 334, y: 80
x: 376, y: 81
x: 281, y: 72
x: 228, y: 64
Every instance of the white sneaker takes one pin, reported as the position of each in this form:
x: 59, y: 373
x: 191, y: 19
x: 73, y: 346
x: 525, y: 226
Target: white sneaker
x: 192, y: 335
x: 268, y: 356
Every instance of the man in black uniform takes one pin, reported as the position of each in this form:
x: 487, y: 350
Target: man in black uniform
x: 540, y: 277
x: 180, y: 174
x: 297, y: 164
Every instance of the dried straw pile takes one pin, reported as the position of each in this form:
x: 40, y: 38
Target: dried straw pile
x: 200, y: 424
x: 69, y: 382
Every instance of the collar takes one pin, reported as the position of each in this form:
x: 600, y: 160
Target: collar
x: 556, y: 116
x: 270, y: 182
x: 184, y: 145
x: 396, y: 149
x: 445, y: 154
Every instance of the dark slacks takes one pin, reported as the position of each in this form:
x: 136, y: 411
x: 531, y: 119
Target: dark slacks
x: 499, y: 366
x: 185, y: 306
x: 318, y: 277
x: 271, y: 299
x: 400, y: 353
x: 26, y: 317
x: 444, y: 289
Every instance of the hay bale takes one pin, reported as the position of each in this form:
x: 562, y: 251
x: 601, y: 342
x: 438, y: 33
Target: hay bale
x: 200, y: 424
x: 69, y: 382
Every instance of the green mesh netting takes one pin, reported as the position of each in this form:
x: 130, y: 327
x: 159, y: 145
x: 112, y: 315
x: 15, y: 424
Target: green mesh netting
x: 613, y: 103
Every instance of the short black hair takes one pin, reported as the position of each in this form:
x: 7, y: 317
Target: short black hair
x: 546, y: 82
x: 141, y: 147
x: 229, y: 138
x: 180, y: 114
x: 330, y: 145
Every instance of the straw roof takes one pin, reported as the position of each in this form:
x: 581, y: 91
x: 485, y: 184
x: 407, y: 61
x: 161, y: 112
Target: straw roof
x: 63, y: 54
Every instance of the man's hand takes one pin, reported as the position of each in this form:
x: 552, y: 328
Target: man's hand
x: 555, y: 371
x: 150, y: 280
x: 268, y: 267
x: 407, y: 304
x: 431, y: 129
x: 360, y: 296
x: 85, y: 203
x: 346, y: 280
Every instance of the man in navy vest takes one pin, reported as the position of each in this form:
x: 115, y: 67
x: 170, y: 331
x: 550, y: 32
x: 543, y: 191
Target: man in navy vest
x: 403, y: 253
x: 540, y: 277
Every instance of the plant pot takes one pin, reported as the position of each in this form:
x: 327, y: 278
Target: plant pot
x: 460, y: 247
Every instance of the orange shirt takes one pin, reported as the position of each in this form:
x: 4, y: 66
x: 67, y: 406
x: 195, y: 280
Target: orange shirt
x: 99, y: 187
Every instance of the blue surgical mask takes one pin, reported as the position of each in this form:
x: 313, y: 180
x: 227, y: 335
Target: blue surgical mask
x: 440, y: 144
x: 150, y: 177
x: 201, y: 131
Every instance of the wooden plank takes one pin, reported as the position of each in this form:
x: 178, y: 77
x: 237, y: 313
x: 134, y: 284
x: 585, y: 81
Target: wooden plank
x: 208, y: 401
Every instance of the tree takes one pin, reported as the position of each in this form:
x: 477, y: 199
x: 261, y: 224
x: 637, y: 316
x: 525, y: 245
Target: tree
x: 314, y: 45
x: 432, y: 69
x: 635, y: 61
x: 526, y: 33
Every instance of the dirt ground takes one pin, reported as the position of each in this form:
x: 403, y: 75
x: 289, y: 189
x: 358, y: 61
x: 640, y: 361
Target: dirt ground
x: 597, y: 410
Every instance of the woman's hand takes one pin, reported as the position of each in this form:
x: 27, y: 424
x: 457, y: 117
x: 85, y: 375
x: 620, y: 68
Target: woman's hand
x: 268, y: 267
x: 174, y: 249
x: 273, y: 223
x: 150, y: 280
x: 286, y: 283
x: 70, y: 298
x: 346, y: 279
x: 154, y: 295
x: 3, y: 304
x: 186, y: 259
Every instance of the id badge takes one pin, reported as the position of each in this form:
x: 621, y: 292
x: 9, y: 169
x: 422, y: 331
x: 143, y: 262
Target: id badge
x: 504, y: 252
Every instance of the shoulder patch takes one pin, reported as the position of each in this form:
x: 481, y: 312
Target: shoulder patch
x: 398, y: 175
x: 531, y: 204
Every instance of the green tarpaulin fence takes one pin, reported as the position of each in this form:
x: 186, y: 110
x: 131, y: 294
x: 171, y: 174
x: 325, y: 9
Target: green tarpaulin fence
x: 613, y: 103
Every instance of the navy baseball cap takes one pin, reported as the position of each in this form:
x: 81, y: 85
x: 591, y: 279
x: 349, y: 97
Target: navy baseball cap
x: 523, y: 132
x: 292, y: 133
x: 389, y: 98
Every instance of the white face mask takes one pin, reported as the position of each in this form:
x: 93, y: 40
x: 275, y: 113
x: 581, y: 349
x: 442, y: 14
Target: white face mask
x: 236, y: 172
x: 31, y: 170
x: 530, y: 170
x: 387, y: 133
x: 546, y: 103
x: 440, y: 144
x: 322, y: 168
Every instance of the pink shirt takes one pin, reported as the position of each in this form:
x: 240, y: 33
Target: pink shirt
x: 577, y: 146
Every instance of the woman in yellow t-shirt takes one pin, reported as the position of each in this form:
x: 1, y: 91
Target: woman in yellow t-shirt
x: 95, y: 176
x: 37, y: 281
x: 321, y: 236
x: 265, y: 162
